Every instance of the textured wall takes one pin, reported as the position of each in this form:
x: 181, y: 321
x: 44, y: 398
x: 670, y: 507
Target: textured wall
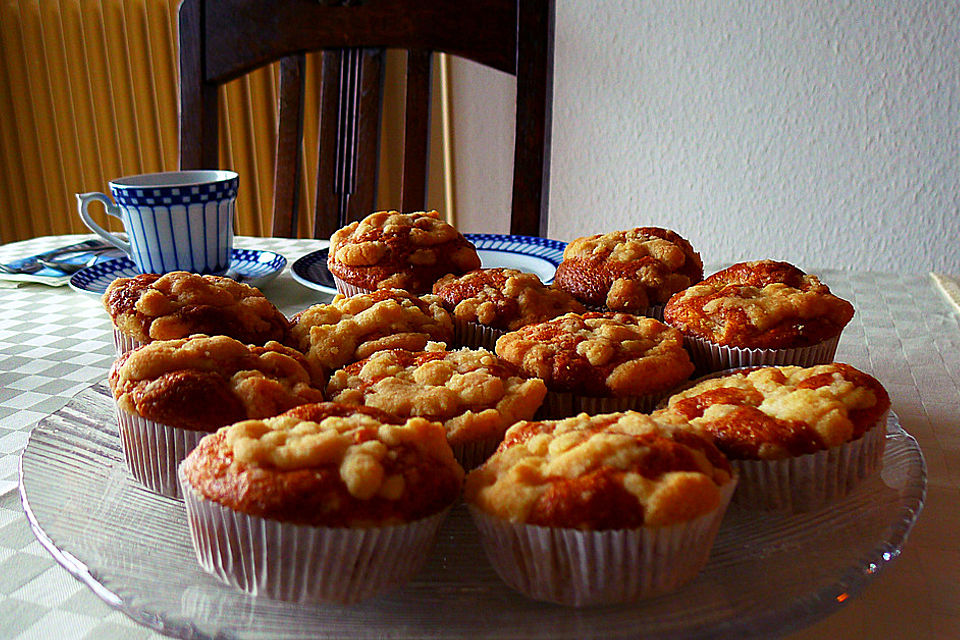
x: 822, y: 133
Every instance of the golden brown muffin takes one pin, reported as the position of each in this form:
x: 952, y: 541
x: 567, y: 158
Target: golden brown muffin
x: 202, y: 383
x: 599, y: 354
x: 503, y: 298
x: 771, y: 413
x: 391, y: 250
x: 328, y: 465
x: 351, y: 329
x: 612, y: 471
x: 629, y: 270
x: 180, y: 304
x: 759, y: 305
x: 472, y: 392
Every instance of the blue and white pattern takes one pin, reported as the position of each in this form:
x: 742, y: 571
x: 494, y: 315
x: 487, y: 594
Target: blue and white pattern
x: 176, y: 195
x: 248, y: 266
x: 525, y: 253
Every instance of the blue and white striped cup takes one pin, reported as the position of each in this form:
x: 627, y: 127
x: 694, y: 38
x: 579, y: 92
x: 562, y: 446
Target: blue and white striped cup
x: 175, y: 221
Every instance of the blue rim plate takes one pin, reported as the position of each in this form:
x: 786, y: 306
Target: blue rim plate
x: 524, y: 253
x: 249, y: 266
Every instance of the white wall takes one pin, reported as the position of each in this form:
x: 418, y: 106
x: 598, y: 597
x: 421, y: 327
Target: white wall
x: 822, y: 133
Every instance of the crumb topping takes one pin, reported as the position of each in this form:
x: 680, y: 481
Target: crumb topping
x: 599, y: 354
x: 179, y: 304
x: 777, y: 412
x: 407, y: 251
x: 628, y: 270
x: 472, y: 392
x: 350, y: 329
x: 761, y: 304
x: 613, y: 471
x: 503, y: 298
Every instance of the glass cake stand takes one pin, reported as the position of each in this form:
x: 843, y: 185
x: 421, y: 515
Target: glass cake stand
x: 768, y: 575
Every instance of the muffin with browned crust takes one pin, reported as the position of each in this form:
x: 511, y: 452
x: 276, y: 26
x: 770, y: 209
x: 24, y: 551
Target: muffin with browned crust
x: 759, y: 313
x: 799, y: 437
x: 635, y: 271
x: 324, y: 503
x: 170, y: 393
x: 353, y: 328
x: 391, y: 250
x: 486, y: 303
x: 179, y: 304
x: 472, y: 392
x: 599, y: 362
x: 599, y: 509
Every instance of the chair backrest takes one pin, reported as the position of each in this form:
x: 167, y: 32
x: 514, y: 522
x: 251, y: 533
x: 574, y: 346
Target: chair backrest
x: 223, y: 39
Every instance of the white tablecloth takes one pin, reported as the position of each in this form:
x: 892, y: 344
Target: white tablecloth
x: 55, y: 342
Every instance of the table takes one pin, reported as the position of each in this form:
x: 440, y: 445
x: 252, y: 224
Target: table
x: 55, y: 342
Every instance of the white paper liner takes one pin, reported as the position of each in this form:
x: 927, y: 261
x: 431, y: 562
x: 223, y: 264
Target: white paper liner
x: 474, y: 453
x: 474, y: 335
x: 304, y: 564
x: 562, y: 404
x: 348, y: 289
x: 124, y: 343
x: 709, y: 357
x: 583, y: 568
x: 153, y: 451
x: 807, y: 482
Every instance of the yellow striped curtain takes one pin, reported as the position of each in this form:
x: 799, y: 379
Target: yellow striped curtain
x: 88, y: 93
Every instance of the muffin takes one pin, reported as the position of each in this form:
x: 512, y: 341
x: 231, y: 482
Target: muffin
x: 324, y: 503
x: 635, y: 271
x: 599, y: 362
x: 179, y: 304
x: 391, y: 250
x: 486, y: 303
x: 797, y: 437
x: 472, y: 392
x: 350, y: 329
x: 599, y: 509
x: 759, y: 313
x: 170, y: 393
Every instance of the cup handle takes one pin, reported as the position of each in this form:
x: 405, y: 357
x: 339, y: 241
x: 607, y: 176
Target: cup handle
x: 84, y: 200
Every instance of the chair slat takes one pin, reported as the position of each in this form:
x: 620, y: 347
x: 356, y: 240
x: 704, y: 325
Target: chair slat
x: 416, y: 136
x: 286, y: 189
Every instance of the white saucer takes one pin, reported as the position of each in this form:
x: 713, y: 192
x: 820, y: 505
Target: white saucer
x: 524, y: 253
x: 249, y: 266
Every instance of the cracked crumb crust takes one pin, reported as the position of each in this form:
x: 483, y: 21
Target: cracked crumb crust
x: 763, y: 304
x: 392, y: 250
x: 330, y: 465
x: 599, y: 354
x: 612, y: 471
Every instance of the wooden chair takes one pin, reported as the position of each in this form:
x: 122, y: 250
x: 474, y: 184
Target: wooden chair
x: 223, y: 39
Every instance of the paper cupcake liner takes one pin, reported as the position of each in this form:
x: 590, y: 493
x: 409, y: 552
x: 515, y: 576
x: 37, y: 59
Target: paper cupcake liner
x: 474, y: 453
x: 583, y: 568
x: 807, y: 482
x: 153, y: 451
x: 709, y: 357
x: 304, y: 564
x: 124, y: 343
x: 348, y: 289
x: 654, y: 311
x: 474, y: 335
x: 562, y: 404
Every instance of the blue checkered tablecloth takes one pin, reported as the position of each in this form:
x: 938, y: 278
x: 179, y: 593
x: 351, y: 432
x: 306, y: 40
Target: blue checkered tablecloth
x: 54, y: 342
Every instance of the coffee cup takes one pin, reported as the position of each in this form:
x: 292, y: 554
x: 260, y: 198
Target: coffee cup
x: 175, y: 220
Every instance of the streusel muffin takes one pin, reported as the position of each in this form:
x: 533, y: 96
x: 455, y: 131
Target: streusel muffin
x: 798, y: 437
x: 325, y: 503
x: 391, y: 250
x: 759, y: 313
x: 635, y: 271
x: 170, y: 393
x: 472, y: 392
x: 486, y: 303
x: 179, y: 304
x: 599, y: 362
x: 353, y: 328
x: 599, y: 509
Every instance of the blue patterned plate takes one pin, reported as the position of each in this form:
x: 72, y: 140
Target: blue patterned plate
x: 524, y: 253
x: 249, y: 266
